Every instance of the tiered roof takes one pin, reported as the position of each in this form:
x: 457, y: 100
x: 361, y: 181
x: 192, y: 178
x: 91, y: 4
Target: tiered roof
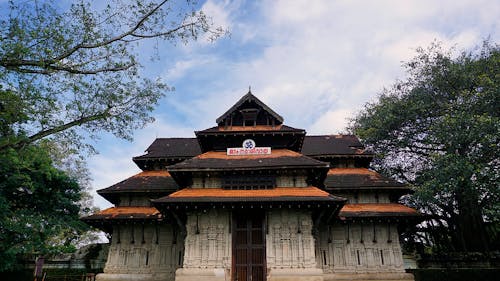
x: 306, y: 197
x: 333, y: 145
x: 154, y: 183
x: 105, y: 219
x: 371, y: 210
x: 249, y: 102
x: 218, y: 160
x: 179, y: 159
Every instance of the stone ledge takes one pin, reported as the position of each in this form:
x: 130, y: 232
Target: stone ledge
x: 212, y: 274
x: 132, y: 277
x: 369, y: 276
x: 299, y: 274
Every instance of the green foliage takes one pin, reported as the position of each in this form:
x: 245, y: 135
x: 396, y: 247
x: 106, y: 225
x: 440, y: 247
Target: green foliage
x: 39, y: 206
x: 439, y: 130
x: 76, y: 70
x: 67, y: 74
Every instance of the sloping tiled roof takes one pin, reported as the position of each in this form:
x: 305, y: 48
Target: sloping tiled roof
x: 310, y: 193
x: 313, y: 145
x: 257, y: 128
x: 249, y: 97
x: 377, y: 210
x: 218, y: 160
x: 333, y: 145
x: 124, y: 213
x: 147, y: 181
x: 172, y: 148
x: 352, y: 178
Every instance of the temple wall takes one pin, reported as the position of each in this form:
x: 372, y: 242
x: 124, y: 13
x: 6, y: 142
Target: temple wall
x: 367, y: 251
x: 290, y: 249
x: 281, y: 181
x: 207, y: 182
x: 207, y: 247
x: 136, y: 201
x: 143, y: 252
x: 289, y: 181
x: 365, y: 197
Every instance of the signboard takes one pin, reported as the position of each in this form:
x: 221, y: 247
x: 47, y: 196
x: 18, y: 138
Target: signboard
x: 248, y: 148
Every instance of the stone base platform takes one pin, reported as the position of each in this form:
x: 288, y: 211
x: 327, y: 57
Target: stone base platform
x: 396, y: 276
x: 303, y: 274
x: 213, y: 274
x: 133, y: 277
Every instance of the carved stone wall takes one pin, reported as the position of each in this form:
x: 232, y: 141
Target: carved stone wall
x: 136, y: 201
x: 290, y: 246
x: 207, y: 246
x: 363, y: 250
x: 143, y: 252
x: 291, y: 181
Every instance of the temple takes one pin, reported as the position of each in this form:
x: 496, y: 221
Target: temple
x: 254, y: 199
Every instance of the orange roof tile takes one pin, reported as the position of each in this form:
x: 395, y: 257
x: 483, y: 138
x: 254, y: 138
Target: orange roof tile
x: 125, y: 213
x: 351, y: 171
x: 342, y: 178
x: 310, y: 191
x: 129, y: 211
x: 159, y: 173
x: 377, y: 209
x: 249, y: 128
x: 275, y: 154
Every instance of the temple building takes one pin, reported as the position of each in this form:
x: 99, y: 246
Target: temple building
x: 253, y: 199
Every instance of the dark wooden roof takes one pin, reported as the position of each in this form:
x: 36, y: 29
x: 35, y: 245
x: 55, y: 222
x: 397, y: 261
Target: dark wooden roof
x: 172, y: 147
x: 156, y: 182
x: 249, y: 98
x: 252, y: 129
x: 325, y: 145
x: 124, y: 213
x: 218, y: 160
x: 356, y: 178
x: 377, y: 210
x: 279, y: 194
x: 282, y: 197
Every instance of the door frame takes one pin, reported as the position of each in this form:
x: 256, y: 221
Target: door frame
x: 246, y: 213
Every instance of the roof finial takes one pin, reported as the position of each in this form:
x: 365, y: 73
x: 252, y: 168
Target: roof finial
x: 249, y: 89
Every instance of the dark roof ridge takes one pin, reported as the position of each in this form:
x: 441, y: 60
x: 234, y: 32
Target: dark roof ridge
x: 249, y: 96
x: 175, y: 138
x: 251, y: 129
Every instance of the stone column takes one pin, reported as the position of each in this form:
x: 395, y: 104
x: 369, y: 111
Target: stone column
x: 290, y: 246
x: 207, y: 255
x: 141, y: 252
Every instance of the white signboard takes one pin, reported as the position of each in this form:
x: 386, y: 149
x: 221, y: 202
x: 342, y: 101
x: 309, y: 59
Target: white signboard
x: 248, y: 148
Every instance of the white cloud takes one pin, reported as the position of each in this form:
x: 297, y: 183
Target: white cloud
x: 115, y: 164
x: 314, y: 62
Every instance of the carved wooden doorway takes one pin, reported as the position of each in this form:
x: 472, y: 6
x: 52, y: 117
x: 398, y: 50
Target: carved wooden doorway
x: 249, y: 246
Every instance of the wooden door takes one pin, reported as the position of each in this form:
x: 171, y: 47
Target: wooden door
x: 249, y: 246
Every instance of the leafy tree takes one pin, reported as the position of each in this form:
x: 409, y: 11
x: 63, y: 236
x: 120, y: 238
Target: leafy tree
x: 69, y: 73
x: 76, y: 71
x: 439, y: 130
x: 39, y: 205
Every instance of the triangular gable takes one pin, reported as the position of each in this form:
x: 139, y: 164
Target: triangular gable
x: 246, y: 103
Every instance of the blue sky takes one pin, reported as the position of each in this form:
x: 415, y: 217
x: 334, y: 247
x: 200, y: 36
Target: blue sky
x: 314, y: 62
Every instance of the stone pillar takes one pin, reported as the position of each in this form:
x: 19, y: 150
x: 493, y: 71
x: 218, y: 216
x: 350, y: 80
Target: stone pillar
x: 207, y: 247
x: 146, y: 252
x: 360, y: 251
x: 290, y: 246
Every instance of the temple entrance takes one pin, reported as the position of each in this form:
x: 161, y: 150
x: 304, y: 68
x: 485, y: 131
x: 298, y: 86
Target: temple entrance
x: 249, y: 246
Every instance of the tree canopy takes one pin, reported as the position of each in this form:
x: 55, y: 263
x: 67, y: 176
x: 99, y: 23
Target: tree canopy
x: 39, y: 206
x: 67, y: 74
x: 74, y: 72
x: 439, y: 131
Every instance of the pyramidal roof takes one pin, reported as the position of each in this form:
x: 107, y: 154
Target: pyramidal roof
x: 249, y: 101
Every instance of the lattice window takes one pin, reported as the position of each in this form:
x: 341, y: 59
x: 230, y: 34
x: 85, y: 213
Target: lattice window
x: 249, y: 182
